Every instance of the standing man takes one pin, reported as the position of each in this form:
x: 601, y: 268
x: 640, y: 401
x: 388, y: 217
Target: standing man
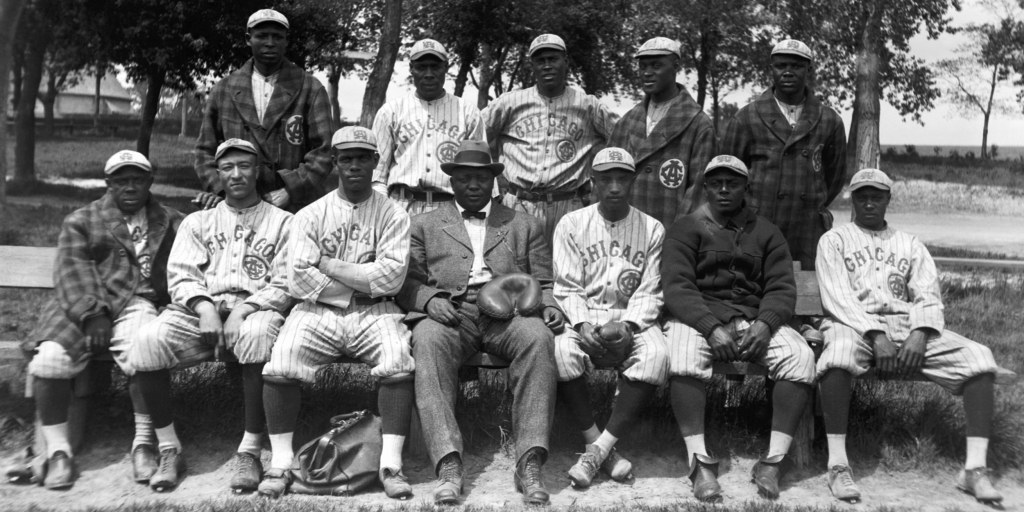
x: 795, y: 148
x: 880, y: 289
x: 546, y: 135
x: 668, y: 134
x: 110, y: 277
x: 278, y: 107
x: 608, y: 278
x: 418, y: 132
x: 347, y: 259
x: 456, y: 249
x: 729, y: 293
x: 227, y: 280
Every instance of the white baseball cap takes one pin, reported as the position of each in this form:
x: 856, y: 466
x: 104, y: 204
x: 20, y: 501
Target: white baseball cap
x: 657, y: 46
x: 425, y: 47
x: 127, y: 158
x: 263, y: 15
x: 239, y: 144
x: 354, y: 137
x: 793, y: 47
x: 545, y: 42
x: 613, y: 158
x: 870, y: 178
x: 728, y: 162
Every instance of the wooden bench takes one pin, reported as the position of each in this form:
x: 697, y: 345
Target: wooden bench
x: 32, y: 267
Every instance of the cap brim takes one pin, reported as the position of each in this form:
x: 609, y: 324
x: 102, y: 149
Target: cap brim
x: 243, y: 149
x: 268, y: 20
x: 793, y: 53
x: 612, y: 165
x: 727, y: 168
x: 546, y: 46
x: 450, y: 167
x: 654, y: 53
x: 121, y: 165
x: 429, y: 53
x: 872, y: 184
x: 355, y: 145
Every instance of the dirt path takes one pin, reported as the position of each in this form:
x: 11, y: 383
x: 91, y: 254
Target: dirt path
x: 660, y: 479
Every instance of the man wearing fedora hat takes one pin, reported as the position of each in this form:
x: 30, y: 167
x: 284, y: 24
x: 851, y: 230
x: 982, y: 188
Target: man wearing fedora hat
x: 278, y: 107
x: 455, y: 250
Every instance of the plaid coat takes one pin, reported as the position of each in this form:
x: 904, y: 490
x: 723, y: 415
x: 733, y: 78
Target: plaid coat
x: 97, y: 270
x: 294, y: 139
x: 670, y: 162
x: 795, y: 173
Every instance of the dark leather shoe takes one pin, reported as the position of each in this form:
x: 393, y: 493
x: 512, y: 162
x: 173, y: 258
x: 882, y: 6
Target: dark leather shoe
x: 144, y: 463
x: 766, y: 475
x: 396, y: 485
x: 169, y: 472
x: 248, y: 471
x: 449, y: 480
x: 528, y: 478
x: 60, y: 472
x: 704, y: 475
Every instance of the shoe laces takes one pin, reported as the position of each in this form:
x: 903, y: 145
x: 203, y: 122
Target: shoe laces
x: 245, y: 461
x: 168, y: 458
x: 843, y: 476
x: 589, y: 461
x: 450, y: 470
x: 531, y: 468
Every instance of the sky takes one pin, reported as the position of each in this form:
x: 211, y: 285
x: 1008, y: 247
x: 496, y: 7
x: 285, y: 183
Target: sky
x: 944, y: 125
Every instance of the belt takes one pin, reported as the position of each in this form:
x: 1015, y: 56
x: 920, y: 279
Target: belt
x: 362, y: 299
x: 546, y: 196
x: 407, y: 192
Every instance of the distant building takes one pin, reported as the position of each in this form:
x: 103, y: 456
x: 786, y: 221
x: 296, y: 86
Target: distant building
x: 80, y: 99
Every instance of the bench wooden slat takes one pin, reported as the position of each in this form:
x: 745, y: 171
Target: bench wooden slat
x: 27, y: 267
x: 808, y: 297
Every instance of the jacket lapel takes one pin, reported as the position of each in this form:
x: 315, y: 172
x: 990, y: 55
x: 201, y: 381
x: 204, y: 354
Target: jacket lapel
x: 454, y: 227
x: 809, y: 118
x: 682, y: 111
x: 289, y: 83
x: 156, y: 219
x: 772, y: 118
x: 240, y: 85
x: 497, y: 227
x: 115, y: 223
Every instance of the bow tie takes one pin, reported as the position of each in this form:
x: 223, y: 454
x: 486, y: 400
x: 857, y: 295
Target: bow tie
x: 466, y: 214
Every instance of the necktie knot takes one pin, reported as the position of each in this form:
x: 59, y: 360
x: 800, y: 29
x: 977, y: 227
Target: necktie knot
x: 466, y: 214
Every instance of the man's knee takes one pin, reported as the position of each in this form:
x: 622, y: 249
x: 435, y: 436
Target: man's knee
x: 51, y: 361
x: 531, y: 332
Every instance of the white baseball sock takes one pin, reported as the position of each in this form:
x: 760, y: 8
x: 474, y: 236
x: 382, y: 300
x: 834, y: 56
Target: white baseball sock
x: 391, y: 454
x: 56, y: 437
x: 281, y: 450
x: 251, y: 442
x: 591, y: 434
x: 143, y: 431
x: 778, y: 443
x: 168, y: 438
x: 837, y: 450
x: 606, y: 442
x: 695, y: 445
x: 977, y: 451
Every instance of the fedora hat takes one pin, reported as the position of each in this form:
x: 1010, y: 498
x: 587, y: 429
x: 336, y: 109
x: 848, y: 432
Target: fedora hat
x: 473, y: 153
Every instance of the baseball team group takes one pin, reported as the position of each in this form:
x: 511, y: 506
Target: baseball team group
x: 312, y: 244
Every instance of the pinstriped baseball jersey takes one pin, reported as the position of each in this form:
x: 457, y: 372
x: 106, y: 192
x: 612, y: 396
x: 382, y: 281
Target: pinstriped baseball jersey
x: 547, y: 143
x: 373, y: 233
x: 608, y: 271
x: 415, y: 136
x: 231, y: 255
x: 878, y: 280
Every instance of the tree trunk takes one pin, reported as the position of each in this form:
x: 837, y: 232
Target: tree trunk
x: 49, y: 98
x: 25, y: 122
x: 155, y: 82
x: 486, y: 75
x: 17, y: 72
x: 869, y: 90
x: 384, y: 63
x: 100, y: 69
x: 10, y: 12
x: 333, y: 78
x: 465, y: 66
x: 851, y: 138
x: 988, y: 112
x: 183, y: 101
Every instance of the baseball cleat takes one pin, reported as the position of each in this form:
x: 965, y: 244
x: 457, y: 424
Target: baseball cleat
x: 840, y: 482
x: 144, y: 463
x: 27, y: 468
x: 976, y: 483
x: 449, y: 480
x: 704, y: 476
x: 275, y: 483
x: 60, y: 472
x: 583, y: 472
x: 247, y: 473
x: 617, y: 467
x: 172, y: 467
x: 766, y: 476
x: 396, y: 485
x: 528, y: 478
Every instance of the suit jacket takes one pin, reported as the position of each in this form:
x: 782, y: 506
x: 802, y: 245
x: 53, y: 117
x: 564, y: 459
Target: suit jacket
x: 441, y: 255
x: 97, y: 270
x: 670, y: 161
x: 293, y: 140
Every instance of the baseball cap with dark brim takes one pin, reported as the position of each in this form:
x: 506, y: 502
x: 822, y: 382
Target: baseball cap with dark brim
x: 727, y: 162
x: 239, y: 144
x: 126, y: 158
x: 657, y: 47
x: 546, y: 42
x: 354, y: 137
x: 265, y: 16
x: 473, y: 154
x: 613, y: 158
x: 870, y: 178
x: 793, y: 47
x: 428, y: 48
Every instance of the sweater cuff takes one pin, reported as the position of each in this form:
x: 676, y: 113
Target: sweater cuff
x: 770, y: 318
x: 706, y: 325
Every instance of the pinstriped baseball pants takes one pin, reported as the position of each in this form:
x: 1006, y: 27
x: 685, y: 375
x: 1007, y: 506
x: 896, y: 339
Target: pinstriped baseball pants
x: 788, y: 358
x: 646, y: 362
x: 950, y: 359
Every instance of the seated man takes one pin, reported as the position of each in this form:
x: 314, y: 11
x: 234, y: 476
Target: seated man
x: 729, y: 293
x: 880, y: 289
x: 456, y: 249
x: 226, y: 275
x: 110, y: 277
x: 348, y: 257
x: 608, y: 275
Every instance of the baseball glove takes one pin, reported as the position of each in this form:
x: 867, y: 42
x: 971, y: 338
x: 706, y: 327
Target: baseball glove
x: 509, y: 295
x: 617, y: 340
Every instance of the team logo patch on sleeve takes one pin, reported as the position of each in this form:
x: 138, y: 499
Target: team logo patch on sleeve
x: 898, y: 286
x: 446, y: 151
x: 293, y: 130
x: 628, y: 282
x: 565, y: 150
x: 255, y: 267
x: 672, y: 173
x: 816, y: 157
